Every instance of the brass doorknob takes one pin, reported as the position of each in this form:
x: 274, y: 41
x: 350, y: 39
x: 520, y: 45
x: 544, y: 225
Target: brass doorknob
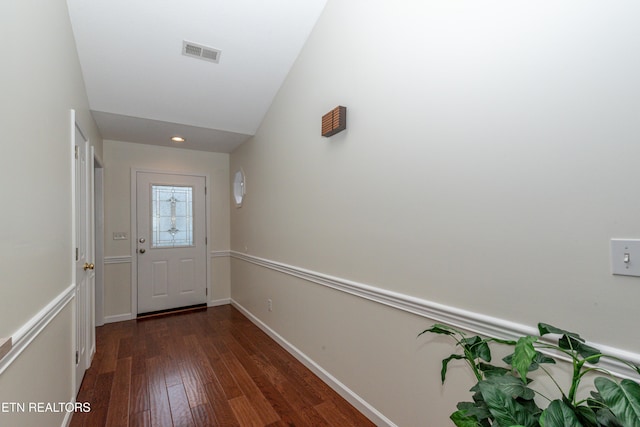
x: 88, y: 266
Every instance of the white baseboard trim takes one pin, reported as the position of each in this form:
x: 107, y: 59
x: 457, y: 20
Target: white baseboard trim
x: 128, y: 316
x: 359, y: 403
x: 122, y: 259
x: 219, y: 302
x: 67, y: 419
x: 118, y: 318
x: 474, y: 322
x: 31, y: 329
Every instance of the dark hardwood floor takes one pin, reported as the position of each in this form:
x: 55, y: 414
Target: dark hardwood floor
x: 211, y: 367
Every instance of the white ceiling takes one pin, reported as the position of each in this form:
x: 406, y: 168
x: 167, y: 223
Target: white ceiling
x: 142, y: 89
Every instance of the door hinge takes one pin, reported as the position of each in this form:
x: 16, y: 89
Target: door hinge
x: 76, y: 254
x: 206, y: 291
x: 205, y: 191
x: 77, y: 357
x: 206, y: 241
x: 76, y: 150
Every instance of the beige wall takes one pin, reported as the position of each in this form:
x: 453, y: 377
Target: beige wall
x: 120, y: 158
x: 41, y: 374
x: 490, y: 155
x: 40, y: 82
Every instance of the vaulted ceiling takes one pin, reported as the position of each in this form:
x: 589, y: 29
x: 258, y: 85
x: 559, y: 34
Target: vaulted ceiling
x: 142, y: 88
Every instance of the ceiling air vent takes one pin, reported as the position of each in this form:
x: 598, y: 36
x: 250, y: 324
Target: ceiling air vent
x: 199, y: 51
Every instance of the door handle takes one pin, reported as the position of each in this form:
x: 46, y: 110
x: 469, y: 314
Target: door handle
x: 143, y: 250
x: 88, y: 266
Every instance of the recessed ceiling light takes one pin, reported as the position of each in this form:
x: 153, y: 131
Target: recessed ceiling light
x: 177, y: 139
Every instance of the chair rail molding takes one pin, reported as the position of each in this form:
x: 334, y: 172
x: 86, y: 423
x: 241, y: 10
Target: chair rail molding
x: 473, y: 322
x: 32, y: 328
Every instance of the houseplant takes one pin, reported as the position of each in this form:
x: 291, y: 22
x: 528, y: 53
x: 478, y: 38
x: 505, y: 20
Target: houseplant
x: 504, y: 395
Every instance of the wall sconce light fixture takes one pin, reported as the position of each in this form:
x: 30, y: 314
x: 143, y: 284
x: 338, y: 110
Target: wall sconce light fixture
x: 334, y: 121
x: 239, y: 188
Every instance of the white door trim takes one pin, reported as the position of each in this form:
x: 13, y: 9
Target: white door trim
x: 134, y: 230
x: 87, y: 329
x: 72, y: 249
x: 98, y: 216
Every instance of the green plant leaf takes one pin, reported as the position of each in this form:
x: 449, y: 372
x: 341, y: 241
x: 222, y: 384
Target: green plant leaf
x: 535, y: 363
x: 595, y: 401
x: 523, y: 356
x: 606, y: 419
x: 541, y: 358
x: 477, y: 347
x: 506, y: 342
x: 586, y: 416
x: 505, y: 410
x: 559, y: 414
x: 492, y: 371
x: 510, y: 385
x: 460, y: 419
x: 477, y: 409
x: 445, y: 363
x: 441, y: 329
x: 545, y: 328
x: 531, y: 406
x: 572, y: 343
x: 622, y: 399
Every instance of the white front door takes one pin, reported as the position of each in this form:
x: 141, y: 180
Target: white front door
x: 83, y: 253
x: 171, y: 241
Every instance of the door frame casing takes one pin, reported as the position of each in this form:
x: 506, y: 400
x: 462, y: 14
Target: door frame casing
x: 98, y: 241
x: 89, y: 335
x: 134, y: 230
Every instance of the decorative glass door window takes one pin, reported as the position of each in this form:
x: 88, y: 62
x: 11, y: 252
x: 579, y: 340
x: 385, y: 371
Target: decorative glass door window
x: 172, y: 216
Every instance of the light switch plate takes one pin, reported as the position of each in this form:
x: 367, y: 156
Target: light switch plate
x: 625, y: 257
x: 120, y: 235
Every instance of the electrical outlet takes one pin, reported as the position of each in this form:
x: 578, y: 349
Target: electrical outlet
x: 270, y: 305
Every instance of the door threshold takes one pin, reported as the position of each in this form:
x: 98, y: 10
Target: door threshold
x: 170, y: 311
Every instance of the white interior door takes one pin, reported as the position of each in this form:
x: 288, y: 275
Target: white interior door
x: 171, y: 241
x: 83, y: 253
